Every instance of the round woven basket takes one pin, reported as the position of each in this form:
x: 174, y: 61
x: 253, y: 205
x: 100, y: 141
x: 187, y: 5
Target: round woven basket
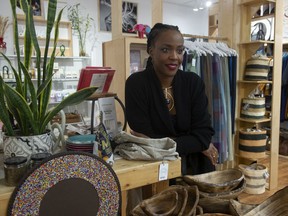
x: 252, y: 144
x: 255, y: 176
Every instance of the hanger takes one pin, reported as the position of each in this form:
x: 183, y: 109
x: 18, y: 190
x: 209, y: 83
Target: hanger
x: 192, y: 47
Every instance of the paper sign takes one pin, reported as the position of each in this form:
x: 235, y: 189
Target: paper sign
x: 163, y: 171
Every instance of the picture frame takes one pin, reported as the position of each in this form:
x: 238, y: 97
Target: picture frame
x: 262, y: 29
x: 37, y: 5
x: 129, y: 16
x: 62, y: 4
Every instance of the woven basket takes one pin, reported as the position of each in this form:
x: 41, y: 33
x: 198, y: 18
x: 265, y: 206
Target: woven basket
x: 257, y: 68
x: 226, y: 194
x: 217, y: 181
x: 252, y: 143
x: 255, y: 176
x: 253, y: 108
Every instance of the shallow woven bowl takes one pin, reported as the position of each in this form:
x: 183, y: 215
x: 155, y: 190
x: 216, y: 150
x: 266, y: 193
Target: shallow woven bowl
x: 217, y: 181
x: 233, y: 194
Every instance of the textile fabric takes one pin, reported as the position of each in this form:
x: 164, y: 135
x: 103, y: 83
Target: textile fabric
x: 137, y: 148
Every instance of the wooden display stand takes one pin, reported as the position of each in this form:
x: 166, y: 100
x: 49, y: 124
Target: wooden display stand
x: 95, y: 97
x: 245, y: 10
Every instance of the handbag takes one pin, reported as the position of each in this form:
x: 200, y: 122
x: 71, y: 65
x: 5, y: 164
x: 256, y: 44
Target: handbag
x: 257, y: 68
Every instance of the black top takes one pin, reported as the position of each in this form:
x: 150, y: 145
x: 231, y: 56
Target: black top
x: 147, y: 113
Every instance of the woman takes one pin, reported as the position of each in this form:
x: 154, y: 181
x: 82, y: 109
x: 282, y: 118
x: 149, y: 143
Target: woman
x: 163, y: 101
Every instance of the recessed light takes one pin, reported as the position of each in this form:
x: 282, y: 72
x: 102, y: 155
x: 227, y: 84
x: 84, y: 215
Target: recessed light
x: 208, y: 3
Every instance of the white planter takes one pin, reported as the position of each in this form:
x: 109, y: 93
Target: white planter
x: 27, y: 145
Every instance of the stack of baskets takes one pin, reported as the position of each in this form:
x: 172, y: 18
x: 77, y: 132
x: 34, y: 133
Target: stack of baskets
x: 226, y: 184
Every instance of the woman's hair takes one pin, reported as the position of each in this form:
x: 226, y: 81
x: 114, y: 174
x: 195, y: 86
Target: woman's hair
x: 157, y: 29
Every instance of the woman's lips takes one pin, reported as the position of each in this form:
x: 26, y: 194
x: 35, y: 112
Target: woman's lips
x: 172, y: 66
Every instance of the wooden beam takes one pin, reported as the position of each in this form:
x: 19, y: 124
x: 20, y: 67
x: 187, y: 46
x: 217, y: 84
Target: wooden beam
x: 116, y: 14
x: 157, y: 11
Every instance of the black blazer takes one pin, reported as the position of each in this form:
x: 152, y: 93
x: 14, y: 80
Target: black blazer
x: 147, y: 111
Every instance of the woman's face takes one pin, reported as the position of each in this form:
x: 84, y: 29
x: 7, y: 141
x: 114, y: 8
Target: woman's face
x: 167, y: 53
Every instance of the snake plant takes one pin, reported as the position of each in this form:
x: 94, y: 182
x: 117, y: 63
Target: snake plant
x: 24, y: 108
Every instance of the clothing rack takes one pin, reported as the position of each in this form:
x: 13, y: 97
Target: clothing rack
x: 205, y: 37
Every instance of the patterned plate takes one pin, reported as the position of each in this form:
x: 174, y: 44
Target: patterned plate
x: 70, y: 183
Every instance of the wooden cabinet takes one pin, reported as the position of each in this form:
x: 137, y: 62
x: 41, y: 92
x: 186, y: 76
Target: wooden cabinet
x: 246, y: 48
x: 125, y: 55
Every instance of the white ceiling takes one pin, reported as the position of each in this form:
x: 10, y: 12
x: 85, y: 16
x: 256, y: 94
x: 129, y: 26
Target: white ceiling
x: 189, y: 3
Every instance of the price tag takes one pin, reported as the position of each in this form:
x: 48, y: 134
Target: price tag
x: 193, y: 62
x: 163, y: 171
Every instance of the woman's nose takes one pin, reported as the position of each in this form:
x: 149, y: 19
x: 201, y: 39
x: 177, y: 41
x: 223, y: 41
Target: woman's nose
x: 173, y: 54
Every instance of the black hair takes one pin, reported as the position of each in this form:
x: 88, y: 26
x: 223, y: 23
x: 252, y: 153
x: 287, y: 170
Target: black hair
x: 157, y: 29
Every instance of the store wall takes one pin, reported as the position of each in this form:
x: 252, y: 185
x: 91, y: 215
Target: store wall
x: 188, y: 21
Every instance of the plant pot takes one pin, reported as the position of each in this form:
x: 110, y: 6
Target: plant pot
x: 28, y: 145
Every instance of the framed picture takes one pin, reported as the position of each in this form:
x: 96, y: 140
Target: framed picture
x: 129, y: 15
x: 262, y: 29
x: 105, y: 15
x: 37, y: 6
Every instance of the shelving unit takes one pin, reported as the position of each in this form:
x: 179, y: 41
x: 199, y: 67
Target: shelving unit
x: 117, y: 54
x: 63, y: 83
x: 65, y: 33
x: 246, y: 48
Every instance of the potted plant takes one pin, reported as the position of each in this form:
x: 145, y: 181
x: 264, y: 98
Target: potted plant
x: 24, y: 108
x: 81, y: 25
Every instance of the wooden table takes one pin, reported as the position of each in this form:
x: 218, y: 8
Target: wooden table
x: 131, y: 174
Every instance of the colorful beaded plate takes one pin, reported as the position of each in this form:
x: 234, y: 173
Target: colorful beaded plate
x: 70, y: 183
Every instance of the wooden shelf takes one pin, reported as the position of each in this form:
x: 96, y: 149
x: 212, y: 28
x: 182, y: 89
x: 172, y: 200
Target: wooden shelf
x: 256, y: 42
x: 40, y: 24
x: 255, y: 2
x: 255, y: 121
x: 255, y: 82
x: 40, y: 19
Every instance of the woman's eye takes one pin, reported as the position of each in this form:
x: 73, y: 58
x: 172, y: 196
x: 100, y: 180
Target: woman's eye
x: 165, y: 50
x: 180, y: 51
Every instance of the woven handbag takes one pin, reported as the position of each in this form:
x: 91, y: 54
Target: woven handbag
x: 257, y: 68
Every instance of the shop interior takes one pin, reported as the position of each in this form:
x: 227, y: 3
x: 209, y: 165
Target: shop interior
x: 250, y: 130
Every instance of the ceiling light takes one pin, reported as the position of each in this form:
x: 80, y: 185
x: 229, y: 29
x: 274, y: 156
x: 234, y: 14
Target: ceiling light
x: 208, y: 3
x: 195, y: 9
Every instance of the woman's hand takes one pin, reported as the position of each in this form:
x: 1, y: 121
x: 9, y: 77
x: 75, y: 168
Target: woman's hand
x: 138, y: 134
x: 212, y: 153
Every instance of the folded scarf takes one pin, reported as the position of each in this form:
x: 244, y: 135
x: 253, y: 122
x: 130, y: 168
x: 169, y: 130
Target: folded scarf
x: 138, y: 148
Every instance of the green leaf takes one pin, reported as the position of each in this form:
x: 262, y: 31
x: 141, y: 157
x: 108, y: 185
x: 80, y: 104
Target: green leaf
x: 22, y: 107
x: 4, y: 114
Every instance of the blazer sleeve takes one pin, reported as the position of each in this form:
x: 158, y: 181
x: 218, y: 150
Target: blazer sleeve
x: 136, y: 104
